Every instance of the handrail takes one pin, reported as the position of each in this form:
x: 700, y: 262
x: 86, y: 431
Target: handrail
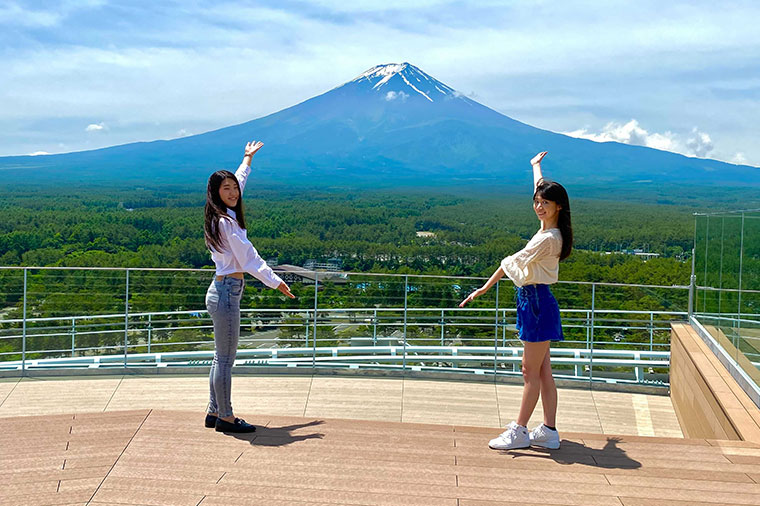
x: 331, y: 273
x: 306, y: 310
x: 385, y: 357
x: 736, y: 211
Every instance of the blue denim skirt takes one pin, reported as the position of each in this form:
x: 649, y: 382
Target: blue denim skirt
x: 538, y: 314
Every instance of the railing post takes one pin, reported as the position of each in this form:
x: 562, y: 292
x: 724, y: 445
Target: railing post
x: 707, y: 245
x: 693, y: 278
x: 591, y: 341
x: 720, y: 276
x: 503, y: 328
x: 150, y: 331
x: 496, y: 330
x: 406, y: 292
x: 73, y: 335
x: 443, y: 326
x: 23, y: 331
x: 496, y: 315
x: 651, y: 331
x: 314, y: 332
x: 374, y: 328
x: 126, y: 319
x: 306, y: 343
x: 741, y: 268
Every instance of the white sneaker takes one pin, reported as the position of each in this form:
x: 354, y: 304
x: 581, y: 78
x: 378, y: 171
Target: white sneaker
x: 516, y: 436
x: 545, y: 438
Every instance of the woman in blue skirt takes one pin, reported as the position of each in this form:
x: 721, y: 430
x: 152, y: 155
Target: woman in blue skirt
x: 532, y: 270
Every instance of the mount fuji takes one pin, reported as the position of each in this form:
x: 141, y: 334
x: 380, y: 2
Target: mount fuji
x: 391, y: 125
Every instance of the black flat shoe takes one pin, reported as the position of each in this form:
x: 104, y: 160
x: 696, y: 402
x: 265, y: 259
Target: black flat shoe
x: 210, y: 422
x: 239, y: 426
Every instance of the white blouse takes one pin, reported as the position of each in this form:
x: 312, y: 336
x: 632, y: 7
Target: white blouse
x: 239, y: 254
x: 538, y: 262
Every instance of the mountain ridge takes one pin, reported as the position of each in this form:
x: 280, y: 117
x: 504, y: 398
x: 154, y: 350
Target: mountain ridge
x: 392, y: 122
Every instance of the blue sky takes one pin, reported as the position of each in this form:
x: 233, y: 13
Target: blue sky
x: 682, y: 76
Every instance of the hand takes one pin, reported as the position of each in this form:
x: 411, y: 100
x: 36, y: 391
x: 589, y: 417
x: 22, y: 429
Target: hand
x: 477, y: 293
x: 252, y: 147
x: 286, y: 290
x: 537, y: 159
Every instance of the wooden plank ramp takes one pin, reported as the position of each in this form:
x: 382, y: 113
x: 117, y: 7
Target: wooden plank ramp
x: 151, y: 457
x: 707, y: 400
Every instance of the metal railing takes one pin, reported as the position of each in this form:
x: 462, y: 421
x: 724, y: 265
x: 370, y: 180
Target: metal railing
x: 341, y: 320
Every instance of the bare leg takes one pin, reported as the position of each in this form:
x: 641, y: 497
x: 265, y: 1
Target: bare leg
x: 548, y: 392
x: 533, y: 357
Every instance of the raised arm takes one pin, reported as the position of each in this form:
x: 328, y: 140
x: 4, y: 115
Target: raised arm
x: 245, y: 166
x: 536, y: 164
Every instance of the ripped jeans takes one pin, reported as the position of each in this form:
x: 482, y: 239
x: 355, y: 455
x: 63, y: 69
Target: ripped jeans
x: 223, y: 305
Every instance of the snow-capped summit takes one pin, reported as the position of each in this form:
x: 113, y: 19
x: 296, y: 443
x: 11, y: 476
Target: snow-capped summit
x: 403, y: 80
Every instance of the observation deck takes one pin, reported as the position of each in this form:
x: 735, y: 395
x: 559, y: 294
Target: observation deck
x: 377, y: 389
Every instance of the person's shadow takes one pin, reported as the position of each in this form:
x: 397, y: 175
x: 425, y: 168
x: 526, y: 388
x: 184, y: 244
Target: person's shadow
x: 609, y: 457
x: 278, y: 436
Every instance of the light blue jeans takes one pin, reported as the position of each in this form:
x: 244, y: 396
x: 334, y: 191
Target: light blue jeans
x: 223, y: 305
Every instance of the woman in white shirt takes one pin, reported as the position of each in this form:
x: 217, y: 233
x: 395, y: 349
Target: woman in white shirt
x: 532, y: 270
x: 233, y: 255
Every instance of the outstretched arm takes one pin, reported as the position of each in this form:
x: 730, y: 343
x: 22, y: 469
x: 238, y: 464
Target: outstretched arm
x: 536, y: 164
x: 245, y: 166
x: 495, y: 277
x: 249, y: 258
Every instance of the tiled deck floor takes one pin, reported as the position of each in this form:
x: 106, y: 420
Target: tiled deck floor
x: 363, y: 398
x: 150, y: 457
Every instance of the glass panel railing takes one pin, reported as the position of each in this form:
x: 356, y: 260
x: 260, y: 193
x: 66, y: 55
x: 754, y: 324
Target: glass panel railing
x: 727, y: 269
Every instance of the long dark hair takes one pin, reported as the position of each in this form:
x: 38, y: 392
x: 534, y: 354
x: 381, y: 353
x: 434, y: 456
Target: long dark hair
x: 216, y: 209
x: 551, y: 190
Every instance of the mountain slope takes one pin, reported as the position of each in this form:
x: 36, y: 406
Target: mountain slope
x: 392, y: 124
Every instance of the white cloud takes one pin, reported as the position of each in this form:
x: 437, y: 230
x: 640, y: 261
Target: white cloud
x: 370, y: 5
x: 628, y: 133
x: 183, y: 133
x: 739, y: 159
x: 393, y: 95
x: 51, y: 15
x: 697, y: 144
x: 471, y: 95
x: 12, y: 13
x: 37, y: 153
x: 96, y: 127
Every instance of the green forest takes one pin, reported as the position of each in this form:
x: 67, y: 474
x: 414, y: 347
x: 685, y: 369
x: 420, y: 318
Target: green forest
x: 368, y: 232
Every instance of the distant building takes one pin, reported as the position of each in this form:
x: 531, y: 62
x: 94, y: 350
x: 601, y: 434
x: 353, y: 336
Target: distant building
x: 295, y: 274
x: 422, y: 233
x: 333, y: 265
x: 640, y: 253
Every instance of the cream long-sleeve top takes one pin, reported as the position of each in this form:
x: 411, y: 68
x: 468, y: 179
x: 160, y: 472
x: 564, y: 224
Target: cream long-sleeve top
x: 239, y: 254
x: 538, y: 262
